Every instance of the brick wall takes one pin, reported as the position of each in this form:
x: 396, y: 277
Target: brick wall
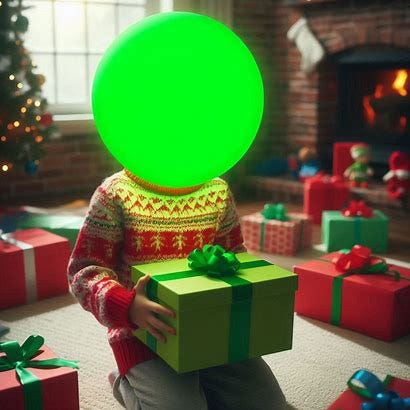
x: 74, y: 165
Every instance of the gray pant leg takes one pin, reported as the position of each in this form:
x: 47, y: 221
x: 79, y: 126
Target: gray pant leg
x: 247, y: 385
x: 153, y: 385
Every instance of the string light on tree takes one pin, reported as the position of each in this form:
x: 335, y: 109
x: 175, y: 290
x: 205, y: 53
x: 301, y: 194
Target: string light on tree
x: 25, y: 124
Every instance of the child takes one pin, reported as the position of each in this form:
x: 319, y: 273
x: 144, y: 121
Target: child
x: 131, y: 221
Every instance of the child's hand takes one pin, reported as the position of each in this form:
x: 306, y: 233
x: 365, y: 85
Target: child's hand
x: 142, y: 312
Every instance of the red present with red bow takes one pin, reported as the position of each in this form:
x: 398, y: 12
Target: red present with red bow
x: 33, y: 266
x: 323, y: 192
x: 357, y: 291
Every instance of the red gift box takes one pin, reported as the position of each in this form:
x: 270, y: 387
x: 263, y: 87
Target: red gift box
x: 377, y: 305
x: 349, y: 400
x: 342, y: 157
x: 33, y: 265
x: 324, y: 193
x: 59, y: 386
x: 274, y: 236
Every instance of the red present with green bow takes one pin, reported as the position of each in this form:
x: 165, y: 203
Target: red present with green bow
x: 33, y: 378
x: 356, y: 290
x: 356, y: 224
x: 229, y: 307
x: 367, y: 392
x: 277, y: 231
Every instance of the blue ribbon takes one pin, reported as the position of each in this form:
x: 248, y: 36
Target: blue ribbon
x: 369, y: 386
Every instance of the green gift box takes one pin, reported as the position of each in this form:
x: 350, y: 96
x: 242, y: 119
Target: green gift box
x: 65, y: 226
x: 342, y: 232
x: 220, y: 319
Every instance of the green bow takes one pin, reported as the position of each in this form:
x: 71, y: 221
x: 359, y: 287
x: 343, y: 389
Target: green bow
x: 275, y: 211
x: 19, y: 357
x: 214, y: 260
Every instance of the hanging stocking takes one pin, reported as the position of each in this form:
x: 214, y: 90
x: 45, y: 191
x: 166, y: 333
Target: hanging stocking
x: 308, y: 45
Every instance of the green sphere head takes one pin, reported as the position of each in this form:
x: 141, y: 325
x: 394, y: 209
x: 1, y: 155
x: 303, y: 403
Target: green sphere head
x: 177, y: 99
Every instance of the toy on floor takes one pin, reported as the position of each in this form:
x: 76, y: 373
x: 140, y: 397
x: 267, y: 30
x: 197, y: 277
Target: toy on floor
x: 309, y: 163
x: 360, y: 171
x: 398, y: 178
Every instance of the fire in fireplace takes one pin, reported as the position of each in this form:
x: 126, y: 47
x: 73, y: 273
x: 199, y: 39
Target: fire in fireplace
x: 374, y: 101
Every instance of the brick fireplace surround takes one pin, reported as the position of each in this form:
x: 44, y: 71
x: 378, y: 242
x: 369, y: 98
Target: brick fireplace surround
x: 299, y: 109
x: 340, y: 26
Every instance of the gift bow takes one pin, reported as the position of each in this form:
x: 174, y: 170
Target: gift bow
x: 275, y: 211
x: 358, y: 208
x: 360, y: 260
x: 368, y: 385
x: 214, y: 260
x: 19, y: 357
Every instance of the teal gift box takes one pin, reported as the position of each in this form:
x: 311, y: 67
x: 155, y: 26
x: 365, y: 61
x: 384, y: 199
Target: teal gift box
x: 65, y: 226
x: 342, y: 232
x: 220, y: 319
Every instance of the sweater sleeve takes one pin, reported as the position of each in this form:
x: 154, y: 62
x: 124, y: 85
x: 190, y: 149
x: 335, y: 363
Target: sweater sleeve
x: 229, y: 234
x: 96, y: 255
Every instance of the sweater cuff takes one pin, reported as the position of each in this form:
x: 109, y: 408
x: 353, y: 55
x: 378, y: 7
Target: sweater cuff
x: 117, y: 304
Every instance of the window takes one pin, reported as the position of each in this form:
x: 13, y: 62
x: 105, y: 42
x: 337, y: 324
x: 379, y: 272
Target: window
x: 66, y: 39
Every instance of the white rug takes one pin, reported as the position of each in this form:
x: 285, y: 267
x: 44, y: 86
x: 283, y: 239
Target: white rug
x: 311, y: 375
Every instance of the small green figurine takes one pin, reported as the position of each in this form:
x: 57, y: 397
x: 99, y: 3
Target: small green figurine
x: 359, y: 172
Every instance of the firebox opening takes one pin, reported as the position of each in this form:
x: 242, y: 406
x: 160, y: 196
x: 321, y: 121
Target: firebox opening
x: 374, y: 101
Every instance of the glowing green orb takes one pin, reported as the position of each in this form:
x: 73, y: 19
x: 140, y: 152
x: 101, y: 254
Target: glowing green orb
x: 177, y: 99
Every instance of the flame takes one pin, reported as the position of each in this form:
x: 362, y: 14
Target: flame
x: 398, y: 86
x: 400, y: 82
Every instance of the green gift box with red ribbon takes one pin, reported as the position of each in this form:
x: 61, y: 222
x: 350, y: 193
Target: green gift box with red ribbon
x: 33, y: 378
x: 357, y: 224
x: 356, y: 290
x: 222, y: 316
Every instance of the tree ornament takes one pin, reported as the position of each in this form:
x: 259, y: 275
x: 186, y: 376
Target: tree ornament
x: 21, y: 24
x: 177, y: 99
x: 30, y: 167
x: 40, y: 79
x: 46, y: 120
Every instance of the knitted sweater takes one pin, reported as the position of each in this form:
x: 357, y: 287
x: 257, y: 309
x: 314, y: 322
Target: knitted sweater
x: 126, y: 225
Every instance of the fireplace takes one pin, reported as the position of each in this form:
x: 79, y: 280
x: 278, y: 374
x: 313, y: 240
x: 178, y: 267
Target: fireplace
x: 374, y: 101
x: 361, y: 89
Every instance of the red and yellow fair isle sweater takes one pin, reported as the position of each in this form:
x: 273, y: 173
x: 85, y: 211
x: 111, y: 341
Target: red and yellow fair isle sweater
x: 131, y: 222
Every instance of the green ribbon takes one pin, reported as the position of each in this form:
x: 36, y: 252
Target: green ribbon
x: 357, y: 229
x: 19, y: 357
x: 215, y: 262
x: 276, y: 212
x: 381, y: 268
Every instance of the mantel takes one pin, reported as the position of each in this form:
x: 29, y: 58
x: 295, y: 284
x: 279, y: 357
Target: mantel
x: 306, y: 2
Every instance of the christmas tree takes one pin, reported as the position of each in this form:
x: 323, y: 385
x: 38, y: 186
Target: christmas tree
x: 25, y: 124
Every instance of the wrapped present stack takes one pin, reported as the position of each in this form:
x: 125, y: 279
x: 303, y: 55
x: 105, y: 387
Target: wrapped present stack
x: 367, y: 392
x: 322, y: 193
x: 357, y: 224
x: 33, y: 378
x: 356, y: 290
x: 223, y: 303
x: 33, y: 266
x: 274, y: 230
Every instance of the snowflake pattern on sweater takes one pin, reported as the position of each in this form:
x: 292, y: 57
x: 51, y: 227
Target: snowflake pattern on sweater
x: 126, y: 225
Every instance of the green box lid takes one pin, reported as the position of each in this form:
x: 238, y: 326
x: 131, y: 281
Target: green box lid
x: 205, y: 291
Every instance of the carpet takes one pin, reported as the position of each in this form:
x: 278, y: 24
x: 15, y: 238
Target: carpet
x: 311, y: 375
